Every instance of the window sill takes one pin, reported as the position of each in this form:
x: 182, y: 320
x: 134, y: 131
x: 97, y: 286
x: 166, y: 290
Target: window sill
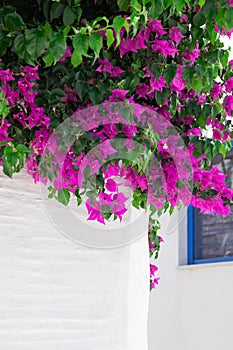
x: 205, y: 265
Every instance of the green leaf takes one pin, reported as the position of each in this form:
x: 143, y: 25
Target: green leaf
x: 68, y: 16
x: 110, y: 37
x: 81, y: 88
x: 94, y: 95
x: 179, y: 4
x: 134, y: 4
x: 6, y: 167
x: 13, y: 21
x: 22, y: 149
x: 8, y: 150
x: 157, y: 8
x: 5, y: 42
x: 123, y: 4
x: 80, y: 44
x: 48, y: 59
x: 229, y: 17
x: 57, y: 45
x: 199, y: 19
x: 96, y: 42
x: 156, y: 70
x: 63, y: 196
x: 35, y: 42
x: 188, y: 73
x: 169, y: 73
x: 210, y: 9
x: 56, y: 95
x: 161, y: 96
x: 56, y: 11
x: 223, y: 150
x: 118, y: 24
x: 76, y: 58
x: 201, y: 3
x: 12, y: 158
x: 6, y: 9
x: 20, y: 46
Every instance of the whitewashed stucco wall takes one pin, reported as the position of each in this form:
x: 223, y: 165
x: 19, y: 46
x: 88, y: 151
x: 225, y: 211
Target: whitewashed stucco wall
x: 193, y: 306
x: 57, y: 295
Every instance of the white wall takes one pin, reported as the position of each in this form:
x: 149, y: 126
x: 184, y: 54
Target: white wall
x: 193, y: 305
x: 58, y: 295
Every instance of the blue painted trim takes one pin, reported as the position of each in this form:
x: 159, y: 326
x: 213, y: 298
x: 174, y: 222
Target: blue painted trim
x: 190, y: 228
x: 191, y: 242
x: 214, y: 260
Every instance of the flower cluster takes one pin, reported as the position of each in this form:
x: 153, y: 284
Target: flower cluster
x: 142, y: 91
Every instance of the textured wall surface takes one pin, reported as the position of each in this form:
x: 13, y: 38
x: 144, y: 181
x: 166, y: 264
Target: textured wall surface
x: 192, y: 307
x: 57, y: 295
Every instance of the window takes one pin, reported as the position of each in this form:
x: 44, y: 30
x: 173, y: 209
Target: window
x: 210, y: 238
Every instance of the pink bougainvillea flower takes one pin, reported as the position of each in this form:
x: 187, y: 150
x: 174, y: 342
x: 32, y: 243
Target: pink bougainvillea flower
x: 231, y: 64
x: 4, y: 130
x: 111, y: 185
x: 105, y: 199
x: 178, y: 83
x: 172, y: 50
x: 94, y: 212
x: 38, y: 118
x: 105, y: 149
x: 94, y: 166
x: 191, y: 56
x: 109, y: 131
x: 156, y: 27
x: 201, y: 99
x: 129, y: 130
x: 127, y: 45
x: 11, y: 95
x: 161, y: 46
x: 184, y: 18
x: 116, y: 71
x: 228, y: 104
x: 216, y: 92
x: 157, y: 85
x: 229, y: 84
x: 138, y: 41
x: 155, y: 282
x: 112, y: 170
x: 21, y: 118
x: 66, y: 55
x: 6, y: 75
x: 194, y: 131
x: 71, y: 95
x: 40, y: 142
x: 165, y: 47
x: 25, y: 85
x: 142, y: 182
x: 146, y: 34
x: 31, y: 72
x: 188, y: 120
x: 153, y: 270
x: 105, y: 66
x: 175, y: 35
x: 118, y: 95
x: 217, y: 135
x: 33, y: 169
x: 142, y: 90
x: 30, y: 96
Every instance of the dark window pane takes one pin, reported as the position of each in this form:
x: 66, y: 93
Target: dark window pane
x: 213, y: 235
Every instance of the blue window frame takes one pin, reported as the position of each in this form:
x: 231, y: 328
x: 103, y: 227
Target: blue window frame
x: 210, y: 238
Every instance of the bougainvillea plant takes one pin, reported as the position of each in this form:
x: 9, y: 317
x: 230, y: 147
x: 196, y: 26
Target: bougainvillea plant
x: 58, y: 58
